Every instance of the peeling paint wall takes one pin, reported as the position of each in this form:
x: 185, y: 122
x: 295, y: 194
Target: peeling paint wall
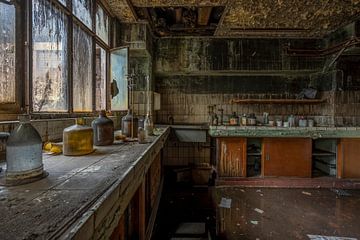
x: 194, y: 73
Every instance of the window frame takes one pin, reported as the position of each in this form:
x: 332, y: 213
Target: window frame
x: 96, y: 40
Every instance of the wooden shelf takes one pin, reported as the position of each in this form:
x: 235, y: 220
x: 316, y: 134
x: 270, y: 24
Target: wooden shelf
x: 277, y: 101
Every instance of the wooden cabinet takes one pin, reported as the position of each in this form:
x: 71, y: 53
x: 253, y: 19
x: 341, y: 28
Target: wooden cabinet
x: 349, y: 158
x: 286, y: 157
x: 231, y: 157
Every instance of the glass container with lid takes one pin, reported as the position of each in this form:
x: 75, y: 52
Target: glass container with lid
x: 78, y: 139
x: 103, y: 129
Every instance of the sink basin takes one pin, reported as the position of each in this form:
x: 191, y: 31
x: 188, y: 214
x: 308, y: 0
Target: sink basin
x: 190, y: 133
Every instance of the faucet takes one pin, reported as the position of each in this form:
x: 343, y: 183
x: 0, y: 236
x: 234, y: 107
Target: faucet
x: 170, y: 119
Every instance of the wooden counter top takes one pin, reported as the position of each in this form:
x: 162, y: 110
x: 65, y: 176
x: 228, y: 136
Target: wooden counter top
x: 82, y: 196
x: 307, y: 132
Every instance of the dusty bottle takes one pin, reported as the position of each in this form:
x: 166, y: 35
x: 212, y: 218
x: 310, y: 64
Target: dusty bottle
x: 234, y: 119
x: 148, y: 126
x: 141, y: 135
x: 78, y: 139
x: 24, y: 152
x: 129, y: 125
x: 103, y: 128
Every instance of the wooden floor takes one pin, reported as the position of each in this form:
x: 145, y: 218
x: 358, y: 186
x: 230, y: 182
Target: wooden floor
x: 279, y: 213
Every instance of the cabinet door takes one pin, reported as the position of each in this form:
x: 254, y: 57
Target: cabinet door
x: 287, y: 157
x: 349, y: 158
x: 232, y: 157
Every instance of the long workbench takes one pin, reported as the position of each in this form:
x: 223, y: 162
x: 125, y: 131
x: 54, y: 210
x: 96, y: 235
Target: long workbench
x: 85, y: 197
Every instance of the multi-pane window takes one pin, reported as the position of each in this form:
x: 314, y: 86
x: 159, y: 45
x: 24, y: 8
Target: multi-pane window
x: 7, y: 53
x: 49, y: 58
x: 70, y: 54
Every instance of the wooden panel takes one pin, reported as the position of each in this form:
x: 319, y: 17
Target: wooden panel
x: 287, y: 157
x: 155, y: 179
x: 349, y: 158
x: 232, y: 157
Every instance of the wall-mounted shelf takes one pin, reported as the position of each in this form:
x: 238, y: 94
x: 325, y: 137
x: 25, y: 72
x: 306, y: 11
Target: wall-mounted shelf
x: 277, y: 101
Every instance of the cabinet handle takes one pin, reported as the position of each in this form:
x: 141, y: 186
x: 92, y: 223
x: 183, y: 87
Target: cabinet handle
x: 267, y: 157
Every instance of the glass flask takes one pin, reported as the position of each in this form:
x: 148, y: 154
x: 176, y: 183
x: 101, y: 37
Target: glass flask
x: 78, y: 139
x: 103, y: 129
x: 148, y: 126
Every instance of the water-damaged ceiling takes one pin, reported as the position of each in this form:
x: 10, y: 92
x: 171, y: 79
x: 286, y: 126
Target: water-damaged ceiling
x: 243, y: 18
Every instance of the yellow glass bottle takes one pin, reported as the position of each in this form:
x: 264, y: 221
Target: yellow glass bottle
x: 78, y: 139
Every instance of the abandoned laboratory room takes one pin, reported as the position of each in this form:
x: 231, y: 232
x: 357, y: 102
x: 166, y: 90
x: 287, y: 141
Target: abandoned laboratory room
x: 180, y: 119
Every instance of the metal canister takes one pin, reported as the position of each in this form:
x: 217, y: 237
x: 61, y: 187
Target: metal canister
x: 24, y: 152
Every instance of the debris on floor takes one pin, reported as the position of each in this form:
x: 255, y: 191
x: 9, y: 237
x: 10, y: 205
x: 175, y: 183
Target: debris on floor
x: 341, y: 192
x: 254, y: 222
x: 319, y: 237
x: 306, y: 193
x: 225, y: 203
x: 259, y: 210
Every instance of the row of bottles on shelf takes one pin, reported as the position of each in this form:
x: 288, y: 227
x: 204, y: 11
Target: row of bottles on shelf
x: 251, y: 119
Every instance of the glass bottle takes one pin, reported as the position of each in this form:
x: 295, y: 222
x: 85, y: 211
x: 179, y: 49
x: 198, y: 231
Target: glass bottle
x: 148, y: 125
x: 129, y: 125
x: 78, y: 139
x: 103, y: 128
x: 24, y: 152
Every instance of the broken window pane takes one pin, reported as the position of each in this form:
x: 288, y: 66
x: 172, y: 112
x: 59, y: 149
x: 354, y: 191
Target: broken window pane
x: 100, y: 93
x: 102, y: 24
x: 82, y: 10
x: 82, y: 70
x: 7, y: 53
x: 49, y: 77
x: 119, y: 84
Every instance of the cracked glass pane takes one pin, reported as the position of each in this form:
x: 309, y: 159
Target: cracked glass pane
x: 102, y: 24
x: 119, y: 83
x: 7, y: 53
x: 82, y: 70
x: 50, y: 65
x: 100, y: 92
x: 82, y: 10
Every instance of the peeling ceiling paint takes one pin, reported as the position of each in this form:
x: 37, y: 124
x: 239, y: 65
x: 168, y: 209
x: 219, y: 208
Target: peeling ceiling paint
x: 297, y: 18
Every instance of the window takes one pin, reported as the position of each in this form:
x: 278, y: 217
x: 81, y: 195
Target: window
x: 119, y: 71
x: 82, y: 10
x: 100, y: 66
x: 50, y: 58
x: 7, y: 53
x: 102, y: 24
x: 82, y: 70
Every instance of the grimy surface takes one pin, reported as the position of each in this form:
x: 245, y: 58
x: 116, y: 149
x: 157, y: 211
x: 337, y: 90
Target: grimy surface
x: 46, y: 208
x: 287, y: 213
x: 303, y: 132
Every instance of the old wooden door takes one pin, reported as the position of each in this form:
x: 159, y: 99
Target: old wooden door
x: 231, y: 157
x: 349, y: 158
x: 286, y: 157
